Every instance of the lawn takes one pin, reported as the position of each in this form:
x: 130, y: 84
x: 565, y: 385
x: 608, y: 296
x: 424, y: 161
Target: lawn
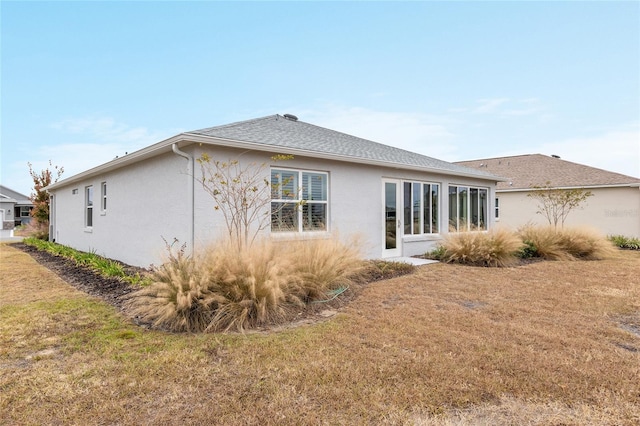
x: 545, y: 343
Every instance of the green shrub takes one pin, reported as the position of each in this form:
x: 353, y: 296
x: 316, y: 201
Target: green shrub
x: 436, y: 254
x: 623, y: 242
x: 496, y: 248
x: 225, y: 288
x: 528, y: 250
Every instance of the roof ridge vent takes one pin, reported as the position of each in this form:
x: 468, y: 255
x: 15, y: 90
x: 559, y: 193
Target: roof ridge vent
x: 291, y: 117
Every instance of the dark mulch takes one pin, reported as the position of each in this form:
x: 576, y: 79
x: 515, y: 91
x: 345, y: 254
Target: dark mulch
x: 110, y: 289
x: 115, y: 291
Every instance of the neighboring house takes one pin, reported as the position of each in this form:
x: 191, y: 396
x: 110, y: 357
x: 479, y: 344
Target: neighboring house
x: 614, y: 208
x: 15, y: 210
x: 399, y: 203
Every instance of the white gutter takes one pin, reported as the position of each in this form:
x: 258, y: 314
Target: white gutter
x: 615, y: 185
x: 190, y: 190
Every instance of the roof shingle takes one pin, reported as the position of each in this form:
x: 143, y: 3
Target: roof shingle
x: 526, y: 171
x: 281, y: 132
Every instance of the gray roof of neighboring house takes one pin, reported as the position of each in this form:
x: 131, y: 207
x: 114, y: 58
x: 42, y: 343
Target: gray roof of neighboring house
x: 15, y: 195
x: 526, y: 171
x: 282, y: 132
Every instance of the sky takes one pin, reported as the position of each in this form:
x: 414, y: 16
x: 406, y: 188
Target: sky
x: 84, y: 82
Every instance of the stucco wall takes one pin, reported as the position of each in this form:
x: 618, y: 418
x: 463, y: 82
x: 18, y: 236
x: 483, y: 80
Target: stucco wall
x: 145, y: 202
x: 612, y: 211
x: 150, y: 200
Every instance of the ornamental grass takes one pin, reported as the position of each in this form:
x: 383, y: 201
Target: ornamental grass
x: 496, y: 248
x: 224, y: 288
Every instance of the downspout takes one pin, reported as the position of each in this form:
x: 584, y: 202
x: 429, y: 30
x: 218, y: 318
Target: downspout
x: 190, y: 190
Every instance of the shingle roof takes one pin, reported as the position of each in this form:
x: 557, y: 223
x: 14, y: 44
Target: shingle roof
x: 281, y: 132
x: 526, y: 171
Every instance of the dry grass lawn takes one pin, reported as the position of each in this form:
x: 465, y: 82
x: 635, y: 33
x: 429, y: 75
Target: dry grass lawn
x: 548, y: 343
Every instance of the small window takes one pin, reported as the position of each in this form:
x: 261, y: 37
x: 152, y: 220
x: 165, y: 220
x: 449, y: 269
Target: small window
x: 103, y: 196
x: 88, y: 221
x: 24, y: 211
x: 497, y: 207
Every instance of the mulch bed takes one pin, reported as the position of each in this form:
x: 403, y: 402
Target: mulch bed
x: 115, y: 291
x: 110, y: 289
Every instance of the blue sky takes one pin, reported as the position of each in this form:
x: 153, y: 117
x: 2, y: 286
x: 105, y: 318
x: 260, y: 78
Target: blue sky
x: 83, y: 82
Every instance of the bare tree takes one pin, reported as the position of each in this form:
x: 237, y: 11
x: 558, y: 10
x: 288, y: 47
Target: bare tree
x: 555, y: 204
x: 241, y: 193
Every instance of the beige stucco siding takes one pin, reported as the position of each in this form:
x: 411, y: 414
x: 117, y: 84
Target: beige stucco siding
x: 613, y: 211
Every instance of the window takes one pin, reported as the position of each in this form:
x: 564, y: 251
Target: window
x: 24, y: 211
x: 298, y: 201
x: 103, y: 196
x: 497, y: 207
x: 467, y: 208
x: 420, y: 208
x: 88, y: 203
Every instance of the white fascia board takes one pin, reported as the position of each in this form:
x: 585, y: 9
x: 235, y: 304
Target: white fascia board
x: 210, y: 140
x: 134, y: 157
x: 617, y: 185
x: 191, y: 138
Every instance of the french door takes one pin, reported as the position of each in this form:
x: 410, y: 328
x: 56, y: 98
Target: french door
x: 392, y: 210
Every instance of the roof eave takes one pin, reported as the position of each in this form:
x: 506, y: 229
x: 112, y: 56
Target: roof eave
x: 617, y: 185
x: 119, y: 162
x: 232, y: 143
x: 189, y: 138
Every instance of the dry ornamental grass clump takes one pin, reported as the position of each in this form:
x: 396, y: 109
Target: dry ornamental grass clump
x: 566, y: 243
x: 495, y: 248
x: 225, y: 288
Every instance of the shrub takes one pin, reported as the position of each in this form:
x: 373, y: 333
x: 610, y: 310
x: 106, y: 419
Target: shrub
x: 436, y: 254
x: 35, y: 229
x: 528, y: 250
x: 494, y: 248
x: 227, y: 288
x: 623, y: 242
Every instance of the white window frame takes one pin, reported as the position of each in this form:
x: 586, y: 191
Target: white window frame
x: 88, y: 206
x: 409, y: 222
x: 103, y: 197
x: 466, y: 226
x: 296, y: 199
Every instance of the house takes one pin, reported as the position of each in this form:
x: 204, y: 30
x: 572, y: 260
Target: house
x: 398, y: 202
x: 15, y: 210
x: 614, y: 207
